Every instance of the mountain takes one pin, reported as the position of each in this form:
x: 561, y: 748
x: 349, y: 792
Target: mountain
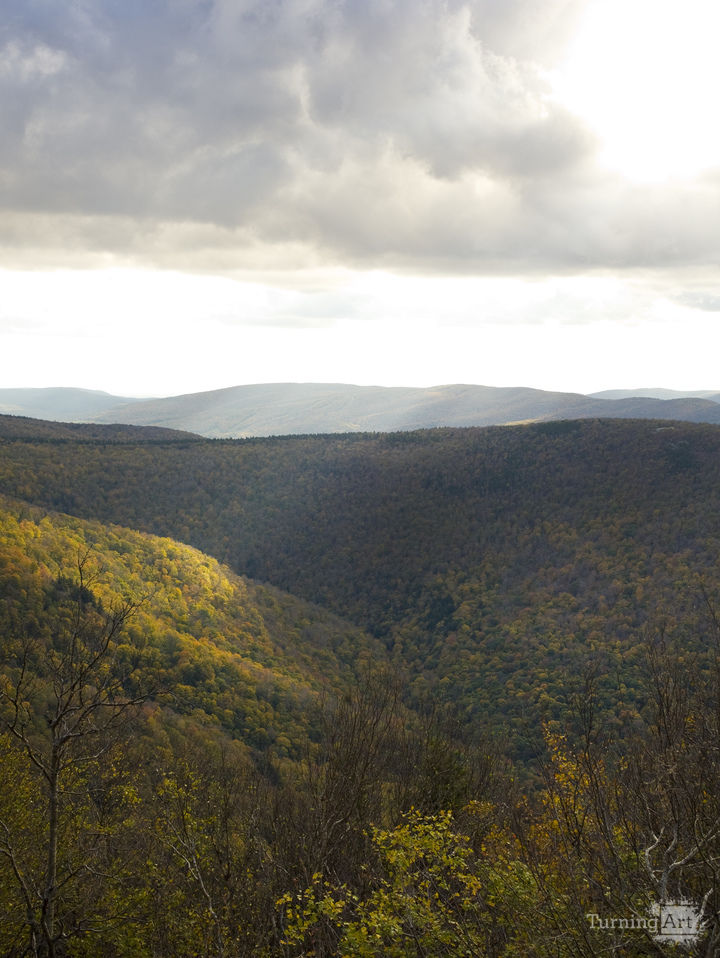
x: 59, y: 403
x: 303, y: 408
x: 493, y: 563
x: 711, y: 394
x: 312, y: 408
x: 237, y: 655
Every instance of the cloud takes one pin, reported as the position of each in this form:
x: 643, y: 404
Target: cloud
x: 231, y: 135
x: 706, y: 300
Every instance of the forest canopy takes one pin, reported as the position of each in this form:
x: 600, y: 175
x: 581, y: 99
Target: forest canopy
x: 451, y: 692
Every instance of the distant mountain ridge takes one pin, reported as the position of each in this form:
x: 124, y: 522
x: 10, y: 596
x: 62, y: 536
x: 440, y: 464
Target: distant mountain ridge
x: 61, y: 403
x: 313, y: 408
x: 712, y: 394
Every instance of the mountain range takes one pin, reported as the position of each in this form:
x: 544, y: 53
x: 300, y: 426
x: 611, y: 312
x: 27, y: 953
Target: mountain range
x: 273, y: 409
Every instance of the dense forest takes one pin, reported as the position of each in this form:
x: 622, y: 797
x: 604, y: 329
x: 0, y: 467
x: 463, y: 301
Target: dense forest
x: 435, y: 693
x: 488, y: 561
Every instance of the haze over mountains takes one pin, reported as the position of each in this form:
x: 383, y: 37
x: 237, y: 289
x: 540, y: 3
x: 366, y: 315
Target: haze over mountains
x: 307, y: 408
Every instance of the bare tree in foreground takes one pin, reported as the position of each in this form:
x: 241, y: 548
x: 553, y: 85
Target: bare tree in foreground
x: 64, y: 699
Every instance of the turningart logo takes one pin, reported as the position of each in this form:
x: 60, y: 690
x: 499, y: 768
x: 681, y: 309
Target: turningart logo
x: 679, y: 921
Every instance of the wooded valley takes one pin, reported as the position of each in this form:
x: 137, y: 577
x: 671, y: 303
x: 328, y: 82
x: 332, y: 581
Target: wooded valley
x: 445, y: 692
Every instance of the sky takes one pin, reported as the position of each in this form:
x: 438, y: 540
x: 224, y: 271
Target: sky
x: 197, y: 194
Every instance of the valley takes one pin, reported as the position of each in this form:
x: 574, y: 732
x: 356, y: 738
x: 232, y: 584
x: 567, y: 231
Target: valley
x: 334, y: 641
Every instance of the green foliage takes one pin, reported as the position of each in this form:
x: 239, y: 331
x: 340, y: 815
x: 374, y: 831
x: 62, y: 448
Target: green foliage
x: 430, y: 894
x: 208, y: 643
x: 489, y: 561
x: 499, y: 567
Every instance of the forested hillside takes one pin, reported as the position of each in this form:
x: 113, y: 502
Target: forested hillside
x: 490, y: 562
x: 519, y: 730
x: 155, y: 710
x: 229, y: 652
x: 23, y: 427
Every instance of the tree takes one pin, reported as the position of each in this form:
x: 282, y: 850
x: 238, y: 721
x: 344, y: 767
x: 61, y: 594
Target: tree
x: 203, y: 862
x: 631, y: 824
x: 65, y: 698
x: 431, y: 894
x: 324, y: 814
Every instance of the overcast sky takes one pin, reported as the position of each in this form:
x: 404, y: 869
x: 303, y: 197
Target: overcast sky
x: 203, y: 193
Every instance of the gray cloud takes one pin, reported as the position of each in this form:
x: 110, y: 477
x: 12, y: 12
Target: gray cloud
x: 706, y: 300
x: 223, y: 134
x: 526, y: 29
